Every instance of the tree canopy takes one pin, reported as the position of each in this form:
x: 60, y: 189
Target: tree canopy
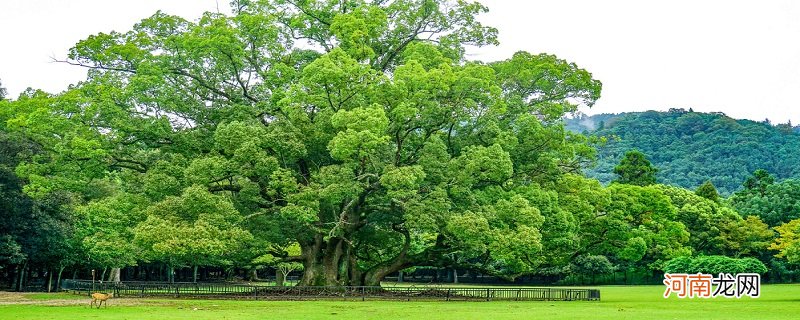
x: 375, y: 147
x: 635, y: 169
x: 348, y: 140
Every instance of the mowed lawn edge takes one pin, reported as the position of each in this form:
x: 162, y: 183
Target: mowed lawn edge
x: 618, y: 302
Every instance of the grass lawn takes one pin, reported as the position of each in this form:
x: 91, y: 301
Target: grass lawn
x: 618, y: 302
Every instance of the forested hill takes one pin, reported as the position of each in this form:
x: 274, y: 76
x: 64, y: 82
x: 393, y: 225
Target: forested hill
x: 691, y: 147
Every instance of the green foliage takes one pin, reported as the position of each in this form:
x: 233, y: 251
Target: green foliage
x: 197, y: 228
x: 715, y: 265
x: 376, y: 148
x: 774, y: 203
x: 591, y: 265
x: 746, y: 237
x: 105, y: 230
x: 788, y: 241
x: 690, y: 148
x: 636, y: 227
x: 635, y: 169
x: 758, y: 182
x: 373, y: 148
x: 708, y: 191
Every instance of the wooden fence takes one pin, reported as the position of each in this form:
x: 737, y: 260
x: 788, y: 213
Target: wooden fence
x: 245, y: 291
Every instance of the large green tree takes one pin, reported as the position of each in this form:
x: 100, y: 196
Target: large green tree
x: 635, y: 169
x: 788, y: 242
x: 708, y: 191
x: 355, y: 129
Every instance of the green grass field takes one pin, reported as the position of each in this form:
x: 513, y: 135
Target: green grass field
x: 618, y: 302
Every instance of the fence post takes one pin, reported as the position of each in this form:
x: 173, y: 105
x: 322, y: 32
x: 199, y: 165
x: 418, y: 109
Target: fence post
x: 448, y: 294
x: 487, y: 294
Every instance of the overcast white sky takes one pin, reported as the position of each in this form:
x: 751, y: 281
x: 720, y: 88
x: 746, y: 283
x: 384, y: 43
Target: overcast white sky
x: 738, y: 57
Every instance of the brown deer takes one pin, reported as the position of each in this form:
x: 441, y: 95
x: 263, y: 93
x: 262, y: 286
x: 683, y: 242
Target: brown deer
x: 102, y: 297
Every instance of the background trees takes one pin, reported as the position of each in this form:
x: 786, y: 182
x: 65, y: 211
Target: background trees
x: 635, y: 169
x: 692, y: 147
x: 775, y: 203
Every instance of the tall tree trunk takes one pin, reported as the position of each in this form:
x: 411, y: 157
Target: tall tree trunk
x: 103, y: 275
x: 58, y: 281
x: 194, y: 274
x: 22, y: 276
x: 49, y: 280
x: 14, y: 279
x: 455, y: 275
x: 114, y: 275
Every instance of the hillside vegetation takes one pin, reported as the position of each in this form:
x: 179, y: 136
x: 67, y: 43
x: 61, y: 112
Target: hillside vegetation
x: 689, y: 148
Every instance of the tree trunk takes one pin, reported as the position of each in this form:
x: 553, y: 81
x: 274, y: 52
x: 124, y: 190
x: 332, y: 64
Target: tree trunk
x: 455, y: 275
x: 253, y: 274
x: 279, y: 277
x: 194, y: 274
x: 49, y: 280
x: 170, y: 274
x: 22, y: 276
x: 400, y: 276
x: 14, y: 279
x: 103, y: 275
x: 332, y: 262
x: 114, y: 275
x: 58, y: 281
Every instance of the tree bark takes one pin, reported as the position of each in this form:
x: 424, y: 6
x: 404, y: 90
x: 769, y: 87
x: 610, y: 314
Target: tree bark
x: 279, y: 277
x: 114, y: 275
x: 14, y: 279
x: 194, y: 274
x: 332, y: 262
x: 22, y: 276
x: 58, y: 281
x: 49, y: 280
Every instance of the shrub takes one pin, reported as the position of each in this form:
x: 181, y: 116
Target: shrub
x: 715, y: 265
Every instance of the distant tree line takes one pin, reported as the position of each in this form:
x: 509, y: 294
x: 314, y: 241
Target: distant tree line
x: 691, y: 147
